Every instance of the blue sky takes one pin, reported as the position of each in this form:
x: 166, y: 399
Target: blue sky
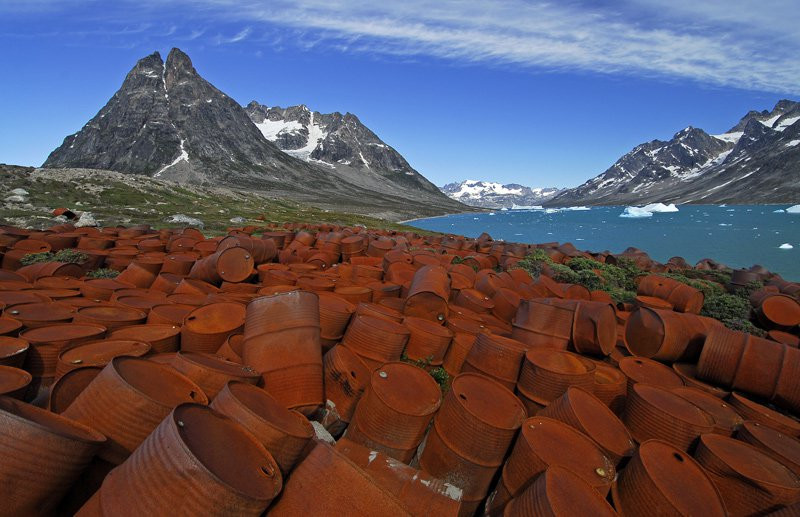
x: 544, y: 94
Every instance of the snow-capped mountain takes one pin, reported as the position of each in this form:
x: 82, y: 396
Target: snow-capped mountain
x: 756, y: 161
x: 340, y: 142
x: 168, y: 122
x: 489, y: 194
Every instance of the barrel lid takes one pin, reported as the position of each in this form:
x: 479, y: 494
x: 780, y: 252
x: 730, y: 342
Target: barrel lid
x: 215, y: 317
x: 748, y: 461
x: 600, y: 423
x: 64, y: 332
x: 488, y: 400
x: 148, y: 332
x: 568, y: 494
x: 670, y: 403
x: 9, y: 325
x: 67, y: 388
x: 725, y: 417
x: 558, y: 361
x: 235, y: 264
x: 219, y: 364
x: 11, y: 346
x: 556, y: 443
x: 112, y: 313
x: 42, y: 311
x: 681, y: 480
x: 406, y: 388
x: 264, y: 405
x: 101, y: 352
x: 13, y: 379
x: 640, y: 369
x: 773, y: 440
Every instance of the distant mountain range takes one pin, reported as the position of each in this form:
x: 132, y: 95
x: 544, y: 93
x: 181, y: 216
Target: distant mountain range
x: 487, y: 194
x: 756, y: 161
x: 167, y: 122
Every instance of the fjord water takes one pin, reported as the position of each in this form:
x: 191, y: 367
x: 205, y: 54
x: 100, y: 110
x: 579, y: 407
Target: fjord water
x: 738, y: 236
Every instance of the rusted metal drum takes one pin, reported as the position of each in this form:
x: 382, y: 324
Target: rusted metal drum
x: 212, y: 373
x: 207, y: 327
x: 780, y: 447
x: 662, y: 480
x: 559, y: 492
x: 506, y: 303
x: 653, y: 412
x: 111, y: 317
x: 33, y: 315
x: 588, y: 414
x: 346, y: 378
x: 726, y: 419
x: 688, y: 373
x: 162, y: 337
x: 474, y: 300
x: 547, y: 374
x: 102, y: 288
x: 774, y: 311
x: 682, y: 297
x: 543, y: 442
x: 666, y: 335
x: 395, y: 410
x: 34, y: 272
x: 750, y: 410
x: 69, y: 386
x: 749, y: 481
x: 497, y: 357
x: 375, y: 340
x: 169, y: 314
x: 283, y: 432
x: 610, y: 386
x: 98, y: 353
x: 471, y: 434
x: 9, y: 326
x: 47, y: 342
x: 427, y: 341
x: 640, y: 369
x: 542, y: 324
x: 14, y: 382
x: 754, y: 365
x: 231, y: 349
x: 334, y: 315
x: 786, y: 338
x: 43, y: 454
x: 335, y: 479
x: 13, y: 351
x: 179, y: 467
x: 380, y: 310
x: 419, y: 492
x: 231, y: 265
x: 282, y: 342
x: 128, y: 399
x: 428, y: 294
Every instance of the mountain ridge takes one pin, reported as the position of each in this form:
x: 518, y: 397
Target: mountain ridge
x: 487, y: 194
x: 757, y: 160
x: 168, y: 122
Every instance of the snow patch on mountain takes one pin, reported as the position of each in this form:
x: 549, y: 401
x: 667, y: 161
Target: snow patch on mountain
x: 490, y: 194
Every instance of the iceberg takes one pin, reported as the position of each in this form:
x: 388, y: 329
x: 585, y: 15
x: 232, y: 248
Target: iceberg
x: 526, y: 207
x: 793, y: 209
x: 576, y: 208
x: 779, y: 211
x: 785, y: 246
x: 660, y: 208
x: 635, y: 212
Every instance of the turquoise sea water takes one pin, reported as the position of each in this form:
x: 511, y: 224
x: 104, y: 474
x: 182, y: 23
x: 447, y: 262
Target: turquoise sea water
x: 738, y: 236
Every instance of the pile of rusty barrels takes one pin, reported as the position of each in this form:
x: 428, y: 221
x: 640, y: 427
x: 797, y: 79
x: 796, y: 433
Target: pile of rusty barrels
x: 328, y: 370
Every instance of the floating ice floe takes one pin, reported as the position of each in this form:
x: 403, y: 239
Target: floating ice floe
x: 660, y: 208
x: 724, y: 224
x: 779, y: 211
x: 635, y: 212
x: 785, y: 246
x: 793, y: 209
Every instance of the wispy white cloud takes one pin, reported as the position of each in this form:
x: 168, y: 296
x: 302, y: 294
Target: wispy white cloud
x: 749, y: 44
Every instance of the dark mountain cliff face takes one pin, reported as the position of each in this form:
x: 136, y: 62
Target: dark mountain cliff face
x: 168, y: 122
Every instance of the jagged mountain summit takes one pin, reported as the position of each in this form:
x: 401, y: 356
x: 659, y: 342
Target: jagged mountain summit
x: 167, y: 122
x: 335, y: 140
x: 756, y: 161
x: 489, y: 194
